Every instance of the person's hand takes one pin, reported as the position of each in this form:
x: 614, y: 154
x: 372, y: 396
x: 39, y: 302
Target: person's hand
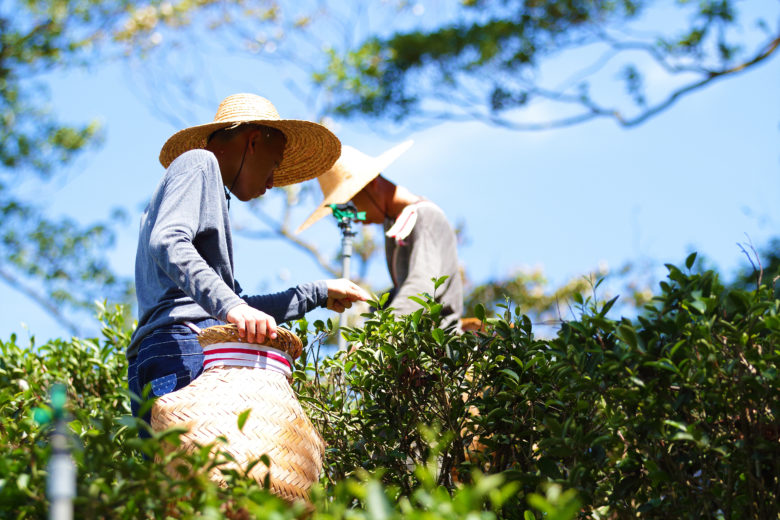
x: 342, y: 292
x: 253, y: 325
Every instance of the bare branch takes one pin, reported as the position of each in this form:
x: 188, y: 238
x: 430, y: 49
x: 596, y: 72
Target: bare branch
x: 760, y: 268
x: 588, y: 71
x: 281, y: 230
x: 40, y: 299
x: 595, y: 111
x: 496, y: 120
x: 653, y: 52
x: 711, y: 76
x: 307, y: 247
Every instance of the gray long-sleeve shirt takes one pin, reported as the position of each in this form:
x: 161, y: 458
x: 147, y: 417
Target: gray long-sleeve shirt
x: 429, y: 251
x: 184, y: 260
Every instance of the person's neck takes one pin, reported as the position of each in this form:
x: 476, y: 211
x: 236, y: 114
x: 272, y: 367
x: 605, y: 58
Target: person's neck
x: 225, y: 160
x: 401, y: 198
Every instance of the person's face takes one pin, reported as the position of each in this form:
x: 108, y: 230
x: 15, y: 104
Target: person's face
x: 263, y: 157
x: 367, y: 200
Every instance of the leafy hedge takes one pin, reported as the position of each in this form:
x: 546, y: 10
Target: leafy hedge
x: 673, y: 414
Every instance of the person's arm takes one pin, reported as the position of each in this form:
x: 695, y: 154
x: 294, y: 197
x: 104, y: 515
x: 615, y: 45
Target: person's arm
x: 171, y: 241
x: 292, y: 304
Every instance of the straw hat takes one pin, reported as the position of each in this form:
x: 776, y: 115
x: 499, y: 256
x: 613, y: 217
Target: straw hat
x: 240, y: 376
x: 351, y: 173
x: 310, y: 150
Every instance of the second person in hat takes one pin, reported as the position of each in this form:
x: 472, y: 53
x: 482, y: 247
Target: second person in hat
x: 420, y: 243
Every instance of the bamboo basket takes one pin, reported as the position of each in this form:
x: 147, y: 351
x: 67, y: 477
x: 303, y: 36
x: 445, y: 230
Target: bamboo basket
x: 277, y: 426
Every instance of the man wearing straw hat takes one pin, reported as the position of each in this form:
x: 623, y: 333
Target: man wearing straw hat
x: 184, y: 261
x: 420, y: 243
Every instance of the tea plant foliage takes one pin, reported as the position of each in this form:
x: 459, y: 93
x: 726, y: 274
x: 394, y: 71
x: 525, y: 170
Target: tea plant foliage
x: 673, y: 414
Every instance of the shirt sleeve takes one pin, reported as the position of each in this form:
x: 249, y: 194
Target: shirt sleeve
x: 186, y: 194
x: 293, y: 303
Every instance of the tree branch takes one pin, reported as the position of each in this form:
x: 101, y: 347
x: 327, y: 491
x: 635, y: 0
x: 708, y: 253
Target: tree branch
x: 282, y: 231
x: 595, y: 111
x: 41, y: 300
x: 711, y: 76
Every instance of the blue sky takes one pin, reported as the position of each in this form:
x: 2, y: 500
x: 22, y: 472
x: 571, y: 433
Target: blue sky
x: 702, y: 176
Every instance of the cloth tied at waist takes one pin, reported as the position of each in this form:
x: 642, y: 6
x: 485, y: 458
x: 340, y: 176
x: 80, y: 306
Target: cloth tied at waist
x: 404, y: 224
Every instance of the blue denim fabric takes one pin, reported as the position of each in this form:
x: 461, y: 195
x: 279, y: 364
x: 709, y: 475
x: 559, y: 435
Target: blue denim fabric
x: 168, y: 359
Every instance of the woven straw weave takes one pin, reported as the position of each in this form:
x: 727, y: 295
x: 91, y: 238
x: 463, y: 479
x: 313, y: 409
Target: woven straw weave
x: 285, y: 340
x: 277, y: 425
x: 310, y: 150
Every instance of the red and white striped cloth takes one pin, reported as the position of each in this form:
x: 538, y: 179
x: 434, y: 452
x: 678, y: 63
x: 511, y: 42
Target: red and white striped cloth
x: 247, y: 355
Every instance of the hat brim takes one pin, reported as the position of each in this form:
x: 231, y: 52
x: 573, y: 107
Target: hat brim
x: 352, y: 186
x: 311, y: 149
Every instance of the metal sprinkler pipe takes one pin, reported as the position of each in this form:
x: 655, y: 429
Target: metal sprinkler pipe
x: 345, y: 215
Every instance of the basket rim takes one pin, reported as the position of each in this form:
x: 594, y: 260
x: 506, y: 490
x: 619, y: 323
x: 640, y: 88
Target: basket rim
x: 286, y: 340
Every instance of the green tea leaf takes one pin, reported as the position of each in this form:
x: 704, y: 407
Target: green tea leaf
x: 242, y: 417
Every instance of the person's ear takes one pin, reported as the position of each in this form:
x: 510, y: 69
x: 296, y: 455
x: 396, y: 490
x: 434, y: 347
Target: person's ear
x: 253, y: 140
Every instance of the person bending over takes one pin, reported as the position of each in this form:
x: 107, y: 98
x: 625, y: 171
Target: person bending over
x: 184, y: 260
x: 420, y: 243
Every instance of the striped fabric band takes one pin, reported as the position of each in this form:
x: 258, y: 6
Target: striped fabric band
x: 247, y: 355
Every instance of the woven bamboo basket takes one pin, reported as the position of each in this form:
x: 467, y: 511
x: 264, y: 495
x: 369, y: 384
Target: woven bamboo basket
x: 239, y: 376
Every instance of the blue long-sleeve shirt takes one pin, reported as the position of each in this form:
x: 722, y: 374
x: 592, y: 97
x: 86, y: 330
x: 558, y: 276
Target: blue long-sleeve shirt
x: 184, y: 260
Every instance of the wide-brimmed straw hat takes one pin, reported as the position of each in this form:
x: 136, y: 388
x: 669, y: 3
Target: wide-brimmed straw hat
x: 311, y: 148
x: 351, y: 173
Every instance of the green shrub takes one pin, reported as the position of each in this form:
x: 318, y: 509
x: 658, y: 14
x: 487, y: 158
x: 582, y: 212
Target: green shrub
x: 673, y: 414
x: 114, y: 480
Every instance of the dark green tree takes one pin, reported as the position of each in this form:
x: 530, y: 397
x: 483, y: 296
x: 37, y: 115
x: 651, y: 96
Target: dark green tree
x: 492, y: 58
x: 58, y: 263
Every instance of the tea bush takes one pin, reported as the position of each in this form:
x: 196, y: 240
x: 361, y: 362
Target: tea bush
x: 117, y: 480
x: 673, y: 414
x: 114, y: 480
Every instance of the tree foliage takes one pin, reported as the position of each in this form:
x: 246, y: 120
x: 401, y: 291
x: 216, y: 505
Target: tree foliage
x: 502, y: 62
x: 489, y: 60
x: 58, y: 263
x: 493, y: 60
